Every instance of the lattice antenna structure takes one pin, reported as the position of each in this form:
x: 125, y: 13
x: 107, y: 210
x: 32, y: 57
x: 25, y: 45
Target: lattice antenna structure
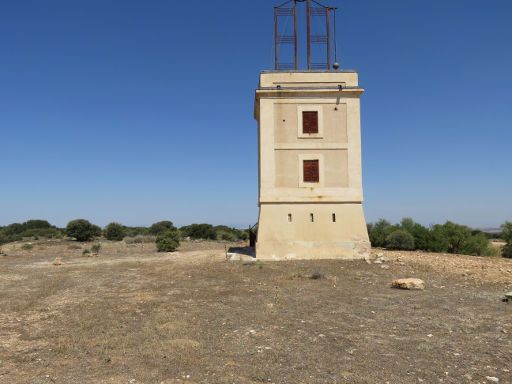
x: 280, y: 12
x: 314, y: 9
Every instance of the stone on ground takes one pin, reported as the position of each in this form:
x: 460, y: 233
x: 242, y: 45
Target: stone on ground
x: 409, y: 283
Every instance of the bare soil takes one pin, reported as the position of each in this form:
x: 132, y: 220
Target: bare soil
x: 132, y: 315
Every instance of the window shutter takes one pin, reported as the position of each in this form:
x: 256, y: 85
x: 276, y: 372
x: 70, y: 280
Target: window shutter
x: 311, y: 171
x: 309, y: 122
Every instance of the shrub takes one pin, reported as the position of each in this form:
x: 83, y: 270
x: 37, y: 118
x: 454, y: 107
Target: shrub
x: 168, y: 241
x: 42, y: 232
x: 449, y: 237
x: 507, y: 251
x: 114, y: 232
x: 506, y: 232
x: 13, y: 229
x: 82, y: 230
x: 96, y: 248
x: 400, y: 239
x: 136, y: 231
x: 420, y: 233
x: 477, y: 245
x: 199, y: 231
x: 37, y: 224
x: 140, y: 239
x: 161, y: 227
x: 379, y: 232
x: 27, y: 247
x: 86, y: 251
x: 3, y: 239
x: 230, y: 234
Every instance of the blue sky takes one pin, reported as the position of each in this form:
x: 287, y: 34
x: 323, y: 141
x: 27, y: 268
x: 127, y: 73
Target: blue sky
x: 138, y: 111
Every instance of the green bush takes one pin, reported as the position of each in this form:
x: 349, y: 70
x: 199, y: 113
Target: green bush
x: 230, y: 234
x: 506, y: 232
x: 50, y: 233
x: 114, y: 232
x: 3, y: 239
x: 27, y: 247
x: 477, y: 245
x: 37, y: 224
x: 449, y: 237
x: 168, y: 241
x: 379, y: 231
x: 82, y: 230
x: 161, y: 227
x: 136, y: 231
x: 400, y: 239
x: 30, y: 228
x: 96, y: 248
x: 420, y: 233
x: 140, y: 239
x: 507, y: 251
x: 199, y: 231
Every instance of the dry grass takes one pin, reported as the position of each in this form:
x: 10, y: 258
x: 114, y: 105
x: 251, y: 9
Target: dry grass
x: 132, y: 315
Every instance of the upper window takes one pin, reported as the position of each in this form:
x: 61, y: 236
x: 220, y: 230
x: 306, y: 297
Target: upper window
x: 310, y: 122
x: 311, y: 171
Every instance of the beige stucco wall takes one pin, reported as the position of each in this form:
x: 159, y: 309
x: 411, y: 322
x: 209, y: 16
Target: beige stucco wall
x: 333, y: 173
x: 279, y: 239
x: 286, y: 122
x: 282, y: 146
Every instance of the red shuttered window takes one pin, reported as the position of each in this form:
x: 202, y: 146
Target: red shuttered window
x: 309, y: 122
x: 311, y: 171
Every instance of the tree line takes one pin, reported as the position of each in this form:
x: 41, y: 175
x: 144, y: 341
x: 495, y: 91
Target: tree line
x: 167, y: 236
x: 445, y: 238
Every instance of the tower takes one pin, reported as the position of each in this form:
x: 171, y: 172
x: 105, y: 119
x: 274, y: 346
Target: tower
x: 310, y: 177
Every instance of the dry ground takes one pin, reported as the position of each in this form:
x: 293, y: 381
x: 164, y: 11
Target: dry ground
x: 132, y: 315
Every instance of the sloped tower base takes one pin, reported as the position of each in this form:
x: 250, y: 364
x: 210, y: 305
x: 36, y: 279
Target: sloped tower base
x: 326, y: 231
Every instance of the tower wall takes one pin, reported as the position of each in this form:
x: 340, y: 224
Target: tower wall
x: 300, y: 218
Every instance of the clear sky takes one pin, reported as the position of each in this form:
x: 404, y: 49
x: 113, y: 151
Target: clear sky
x: 138, y: 111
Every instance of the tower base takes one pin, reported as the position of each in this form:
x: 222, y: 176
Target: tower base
x: 312, y: 231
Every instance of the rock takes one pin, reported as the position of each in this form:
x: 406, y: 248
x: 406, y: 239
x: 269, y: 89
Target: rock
x: 507, y: 297
x: 410, y: 283
x: 384, y: 266
x: 57, y: 261
x: 493, y: 379
x: 378, y: 261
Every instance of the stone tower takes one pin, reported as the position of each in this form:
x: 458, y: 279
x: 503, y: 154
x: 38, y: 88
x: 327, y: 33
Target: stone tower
x: 310, y: 184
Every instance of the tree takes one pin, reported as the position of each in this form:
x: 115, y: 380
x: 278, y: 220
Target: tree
x: 400, y: 239
x: 82, y: 230
x: 506, y: 232
x: 507, y: 251
x: 477, y: 245
x: 449, y: 237
x: 114, y: 231
x: 379, y: 231
x: 161, y: 227
x: 37, y: 224
x: 168, y: 241
x: 420, y: 233
x: 199, y: 231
